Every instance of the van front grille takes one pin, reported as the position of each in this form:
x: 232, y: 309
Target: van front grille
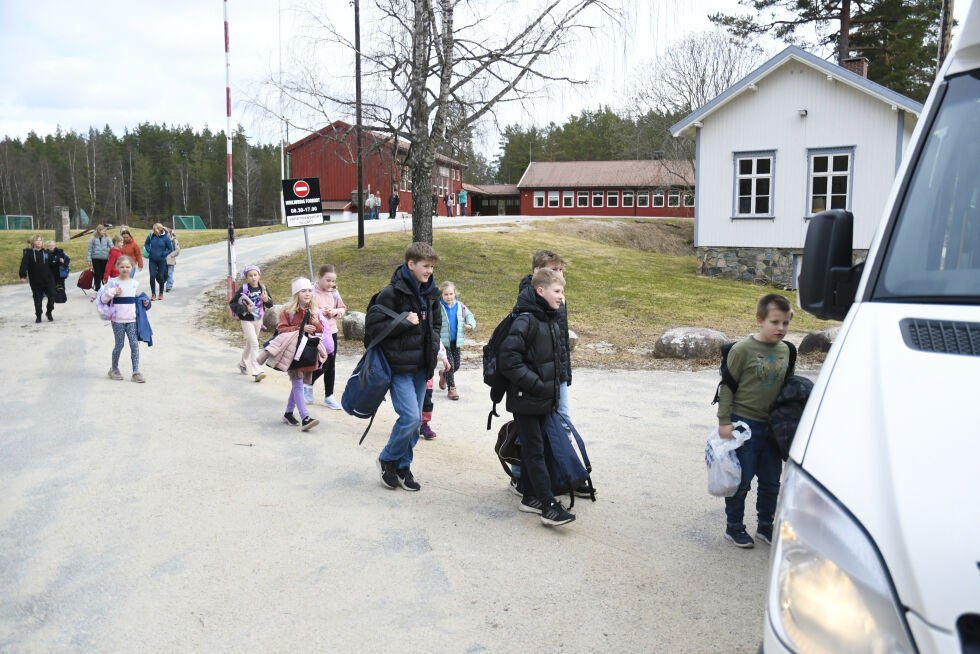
x: 941, y: 336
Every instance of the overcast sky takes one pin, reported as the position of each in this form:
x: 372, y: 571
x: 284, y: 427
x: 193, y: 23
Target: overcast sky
x: 121, y: 63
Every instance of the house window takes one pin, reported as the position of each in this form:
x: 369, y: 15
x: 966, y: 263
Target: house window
x: 538, y: 199
x: 627, y: 198
x: 688, y: 198
x: 445, y: 185
x: 583, y: 198
x: 612, y: 199
x: 658, y: 198
x: 552, y: 199
x: 830, y: 177
x: 568, y: 198
x: 673, y: 198
x: 753, y: 184
x: 597, y: 198
x: 643, y: 199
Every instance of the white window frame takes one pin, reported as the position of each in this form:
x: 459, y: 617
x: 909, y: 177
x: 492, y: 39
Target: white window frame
x: 553, y: 201
x: 753, y: 179
x: 612, y: 199
x: 658, y: 198
x: 582, y: 199
x: 567, y: 199
x: 673, y: 198
x: 628, y: 201
x: 539, y: 200
x: 829, y: 175
x: 643, y: 200
x: 688, y: 198
x: 600, y: 196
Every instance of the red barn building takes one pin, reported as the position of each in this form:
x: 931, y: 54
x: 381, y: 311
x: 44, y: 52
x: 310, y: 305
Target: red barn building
x: 649, y: 188
x: 331, y: 155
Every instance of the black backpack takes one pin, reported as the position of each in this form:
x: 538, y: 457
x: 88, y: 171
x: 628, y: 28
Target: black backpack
x: 729, y: 380
x: 492, y: 376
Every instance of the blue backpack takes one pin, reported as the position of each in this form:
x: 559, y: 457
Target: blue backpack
x: 369, y: 382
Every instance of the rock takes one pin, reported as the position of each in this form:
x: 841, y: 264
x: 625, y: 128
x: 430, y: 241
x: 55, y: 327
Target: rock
x: 353, y: 326
x: 689, y: 343
x: 572, y: 340
x: 819, y: 341
x: 270, y: 318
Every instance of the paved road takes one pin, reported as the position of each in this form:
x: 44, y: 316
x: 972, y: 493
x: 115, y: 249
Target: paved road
x: 181, y: 515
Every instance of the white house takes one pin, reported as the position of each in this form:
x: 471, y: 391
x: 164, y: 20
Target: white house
x: 794, y: 137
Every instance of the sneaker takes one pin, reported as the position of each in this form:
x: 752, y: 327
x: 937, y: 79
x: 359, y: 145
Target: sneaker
x: 290, y: 419
x: 426, y: 432
x: 115, y: 374
x: 739, y: 538
x: 453, y: 395
x: 309, y: 423
x: 764, y: 533
x: 406, y: 480
x: 160, y: 297
x: 442, y: 379
x: 138, y: 378
x: 38, y: 319
x: 555, y: 514
x: 308, y: 393
x: 530, y: 504
x: 514, y: 488
x: 389, y: 476
x: 259, y: 377
x: 331, y: 403
x: 242, y: 369
x: 50, y: 317
x: 153, y: 297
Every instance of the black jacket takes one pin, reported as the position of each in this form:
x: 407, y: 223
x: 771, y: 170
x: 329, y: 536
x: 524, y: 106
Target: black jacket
x: 35, y: 265
x: 55, y: 265
x: 566, y: 351
x: 530, y: 356
x: 409, y: 347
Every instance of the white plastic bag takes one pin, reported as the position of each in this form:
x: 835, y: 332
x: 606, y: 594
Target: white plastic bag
x: 724, y: 470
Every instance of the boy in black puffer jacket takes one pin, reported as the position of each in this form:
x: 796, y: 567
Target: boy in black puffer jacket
x: 411, y: 350
x: 531, y: 360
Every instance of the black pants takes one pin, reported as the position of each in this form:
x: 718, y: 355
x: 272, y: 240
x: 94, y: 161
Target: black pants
x: 328, y: 371
x: 534, y: 471
x: 41, y: 290
x: 158, y: 275
x: 454, y: 360
x: 98, y: 267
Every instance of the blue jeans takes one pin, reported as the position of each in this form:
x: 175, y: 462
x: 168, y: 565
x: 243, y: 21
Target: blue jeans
x: 170, y: 276
x: 158, y: 275
x: 407, y: 392
x: 758, y: 458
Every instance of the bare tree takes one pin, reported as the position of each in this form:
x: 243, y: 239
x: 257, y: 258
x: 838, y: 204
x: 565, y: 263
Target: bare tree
x: 426, y: 54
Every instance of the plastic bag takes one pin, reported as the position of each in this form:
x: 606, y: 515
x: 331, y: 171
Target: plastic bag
x: 724, y: 470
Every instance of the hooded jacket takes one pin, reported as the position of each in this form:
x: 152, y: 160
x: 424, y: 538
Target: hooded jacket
x: 34, y: 264
x: 158, y: 246
x: 409, y: 347
x: 172, y: 257
x: 98, y: 248
x: 566, y: 353
x: 530, y: 356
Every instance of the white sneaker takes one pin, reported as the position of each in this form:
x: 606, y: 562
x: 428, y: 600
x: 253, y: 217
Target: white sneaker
x: 308, y: 393
x: 331, y: 403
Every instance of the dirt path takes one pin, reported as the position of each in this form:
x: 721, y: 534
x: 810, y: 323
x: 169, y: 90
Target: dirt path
x: 180, y: 515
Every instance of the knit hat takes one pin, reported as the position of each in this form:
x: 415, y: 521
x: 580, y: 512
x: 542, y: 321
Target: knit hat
x: 249, y: 268
x: 301, y: 284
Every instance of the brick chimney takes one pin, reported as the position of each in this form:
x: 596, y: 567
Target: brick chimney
x: 858, y: 65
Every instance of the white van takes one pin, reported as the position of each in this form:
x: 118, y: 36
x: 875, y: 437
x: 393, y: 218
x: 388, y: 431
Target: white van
x: 877, y: 543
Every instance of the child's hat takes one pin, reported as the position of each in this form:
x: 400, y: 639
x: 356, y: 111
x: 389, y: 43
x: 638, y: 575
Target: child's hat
x: 248, y: 269
x: 301, y: 284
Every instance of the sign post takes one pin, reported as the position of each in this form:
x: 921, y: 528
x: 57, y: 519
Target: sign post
x: 301, y: 197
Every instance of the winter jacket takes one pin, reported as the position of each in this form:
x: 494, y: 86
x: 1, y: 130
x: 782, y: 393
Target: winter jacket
x: 289, y: 323
x: 409, y: 347
x: 255, y: 295
x: 172, y: 257
x: 133, y: 251
x: 463, y: 316
x: 158, y: 246
x: 530, y: 356
x: 110, y: 266
x: 326, y: 301
x: 59, y: 269
x: 279, y: 352
x: 98, y: 248
x: 786, y: 411
x: 566, y: 353
x: 34, y: 264
x: 143, y: 331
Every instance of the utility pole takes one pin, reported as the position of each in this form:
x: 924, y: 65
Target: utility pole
x: 357, y: 127
x: 945, y: 32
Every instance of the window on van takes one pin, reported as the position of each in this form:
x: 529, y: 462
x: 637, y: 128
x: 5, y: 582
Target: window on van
x: 933, y: 254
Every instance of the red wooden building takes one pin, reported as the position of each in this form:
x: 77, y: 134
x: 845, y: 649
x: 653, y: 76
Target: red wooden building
x: 331, y: 155
x: 649, y: 188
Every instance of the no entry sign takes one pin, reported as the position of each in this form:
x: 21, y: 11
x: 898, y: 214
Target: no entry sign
x: 302, y: 200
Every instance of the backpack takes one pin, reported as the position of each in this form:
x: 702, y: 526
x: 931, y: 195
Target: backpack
x: 369, y: 382
x: 107, y: 310
x: 492, y: 376
x: 729, y: 380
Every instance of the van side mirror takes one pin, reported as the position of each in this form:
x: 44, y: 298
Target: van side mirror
x: 828, y: 282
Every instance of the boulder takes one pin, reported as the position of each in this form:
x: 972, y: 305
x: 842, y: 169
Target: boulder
x: 353, y: 326
x: 689, y: 343
x: 572, y: 340
x: 270, y: 318
x: 819, y: 341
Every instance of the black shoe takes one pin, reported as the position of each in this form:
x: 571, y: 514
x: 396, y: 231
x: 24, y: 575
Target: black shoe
x: 764, y: 533
x: 530, y: 504
x: 50, y: 317
x: 555, y: 514
x: 406, y: 480
x: 38, y: 319
x: 309, y: 423
x: 389, y: 475
x: 290, y: 419
x: 739, y: 538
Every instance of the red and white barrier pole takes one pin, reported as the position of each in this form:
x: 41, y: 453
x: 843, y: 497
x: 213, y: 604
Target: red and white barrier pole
x: 231, y: 197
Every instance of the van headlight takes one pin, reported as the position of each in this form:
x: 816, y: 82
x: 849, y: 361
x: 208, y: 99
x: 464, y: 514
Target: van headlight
x: 828, y: 588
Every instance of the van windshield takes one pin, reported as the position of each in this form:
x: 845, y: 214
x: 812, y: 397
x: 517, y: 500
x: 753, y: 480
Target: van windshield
x: 934, y: 253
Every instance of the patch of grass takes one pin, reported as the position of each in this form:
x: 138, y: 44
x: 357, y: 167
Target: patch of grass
x: 616, y: 294
x: 13, y: 242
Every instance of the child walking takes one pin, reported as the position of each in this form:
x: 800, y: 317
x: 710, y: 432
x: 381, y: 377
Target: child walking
x: 332, y: 307
x: 34, y: 265
x: 110, y: 264
x: 249, y: 304
x: 122, y: 293
x: 425, y: 431
x: 456, y: 318
x: 759, y: 364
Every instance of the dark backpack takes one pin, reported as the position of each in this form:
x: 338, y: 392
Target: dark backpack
x: 729, y: 380
x: 492, y: 376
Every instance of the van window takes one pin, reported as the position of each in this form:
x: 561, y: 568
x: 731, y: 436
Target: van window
x: 934, y: 253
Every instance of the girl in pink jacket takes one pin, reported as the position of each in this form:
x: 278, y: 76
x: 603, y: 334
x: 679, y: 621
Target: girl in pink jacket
x: 332, y: 306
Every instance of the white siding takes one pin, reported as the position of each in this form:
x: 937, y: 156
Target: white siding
x: 768, y: 119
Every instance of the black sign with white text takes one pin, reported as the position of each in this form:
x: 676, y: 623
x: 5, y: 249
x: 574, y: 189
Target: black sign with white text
x: 302, y: 200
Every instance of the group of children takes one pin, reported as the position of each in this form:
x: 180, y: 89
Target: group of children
x: 46, y: 266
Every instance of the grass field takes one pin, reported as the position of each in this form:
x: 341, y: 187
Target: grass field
x: 623, y: 291
x: 13, y: 242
